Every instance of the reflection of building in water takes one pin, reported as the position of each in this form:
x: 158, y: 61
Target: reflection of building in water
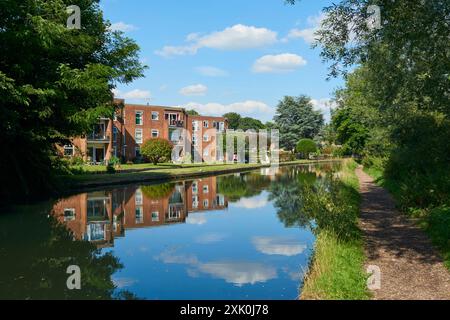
x: 99, y: 217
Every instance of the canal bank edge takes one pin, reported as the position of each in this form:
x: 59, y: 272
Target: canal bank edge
x: 80, y: 183
x: 336, y: 270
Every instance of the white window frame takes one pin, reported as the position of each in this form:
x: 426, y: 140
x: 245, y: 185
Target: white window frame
x: 205, y: 203
x: 205, y: 138
x: 205, y: 189
x: 194, y: 140
x: 138, y: 198
x: 205, y: 123
x: 69, y: 147
x: 141, y: 140
x: 157, y: 133
x: 72, y: 217
x: 195, y: 125
x: 155, y: 216
x: 141, y: 215
x: 141, y: 113
x: 157, y: 115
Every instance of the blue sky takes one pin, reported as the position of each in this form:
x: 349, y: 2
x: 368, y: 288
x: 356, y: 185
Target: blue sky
x: 224, y: 56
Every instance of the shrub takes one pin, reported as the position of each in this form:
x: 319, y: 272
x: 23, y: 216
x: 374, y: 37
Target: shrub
x: 159, y: 191
x: 305, y: 147
x: 114, y: 161
x: 76, y: 161
x: 110, y: 168
x: 157, y: 150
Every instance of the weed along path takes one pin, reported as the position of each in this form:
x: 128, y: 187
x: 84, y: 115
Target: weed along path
x: 411, y: 269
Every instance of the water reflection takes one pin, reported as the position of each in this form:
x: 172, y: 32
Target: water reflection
x: 101, y: 217
x: 240, y: 236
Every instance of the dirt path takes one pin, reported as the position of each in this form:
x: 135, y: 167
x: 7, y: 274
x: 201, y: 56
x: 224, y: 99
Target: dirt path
x: 411, y: 269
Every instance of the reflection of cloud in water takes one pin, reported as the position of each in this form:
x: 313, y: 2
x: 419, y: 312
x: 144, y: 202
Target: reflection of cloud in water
x: 124, y: 282
x: 239, y: 273
x: 252, y: 203
x: 196, y: 218
x: 210, y: 238
x: 278, y: 246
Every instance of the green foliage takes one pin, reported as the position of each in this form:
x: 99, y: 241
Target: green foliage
x: 296, y: 118
x: 192, y: 113
x: 114, y: 161
x: 305, y: 147
x: 54, y: 84
x: 157, y: 150
x: 159, y: 191
x: 236, y: 122
x: 110, y: 168
x: 233, y: 120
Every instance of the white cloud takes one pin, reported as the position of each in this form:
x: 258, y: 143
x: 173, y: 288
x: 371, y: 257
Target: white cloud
x: 124, y: 282
x: 133, y: 94
x: 239, y: 273
x: 308, y: 34
x: 252, y: 203
x: 122, y: 26
x: 194, y: 90
x: 281, y: 63
x: 278, y: 246
x: 245, y: 108
x: 324, y: 105
x: 211, y: 71
x: 237, y: 37
x: 197, y: 218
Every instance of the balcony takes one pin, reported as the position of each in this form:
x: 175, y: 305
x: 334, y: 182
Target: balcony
x: 98, y: 138
x: 176, y: 123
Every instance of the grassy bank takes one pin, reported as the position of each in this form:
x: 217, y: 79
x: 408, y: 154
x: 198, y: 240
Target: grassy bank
x: 336, y: 271
x: 141, y: 174
x: 435, y: 220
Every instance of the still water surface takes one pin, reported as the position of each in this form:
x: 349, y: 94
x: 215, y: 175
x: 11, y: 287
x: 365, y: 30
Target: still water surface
x: 237, y: 236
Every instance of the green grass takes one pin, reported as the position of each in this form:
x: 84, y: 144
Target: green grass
x: 337, y: 269
x: 434, y: 220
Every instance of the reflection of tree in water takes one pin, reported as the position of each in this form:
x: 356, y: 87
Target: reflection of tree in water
x: 235, y: 187
x: 322, y: 203
x: 35, y: 252
x: 158, y: 191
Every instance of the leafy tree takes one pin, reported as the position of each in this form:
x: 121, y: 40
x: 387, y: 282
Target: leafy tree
x: 305, y: 147
x: 248, y: 123
x: 158, y: 191
x: 54, y: 84
x: 192, y: 113
x: 296, y: 119
x: 157, y: 150
x: 233, y: 120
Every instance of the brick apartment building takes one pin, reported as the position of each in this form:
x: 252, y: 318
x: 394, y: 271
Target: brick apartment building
x: 101, y: 217
x: 132, y: 125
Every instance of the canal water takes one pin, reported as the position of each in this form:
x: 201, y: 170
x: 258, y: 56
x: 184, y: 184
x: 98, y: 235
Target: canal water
x: 239, y: 236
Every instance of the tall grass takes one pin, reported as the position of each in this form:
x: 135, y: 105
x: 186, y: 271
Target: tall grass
x: 336, y: 271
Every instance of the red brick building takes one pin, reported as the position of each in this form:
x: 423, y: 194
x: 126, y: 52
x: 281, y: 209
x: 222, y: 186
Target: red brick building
x: 132, y: 125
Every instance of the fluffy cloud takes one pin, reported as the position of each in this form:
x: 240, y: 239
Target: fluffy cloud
x: 308, y: 34
x: 211, y: 71
x: 252, y: 203
x: 239, y: 273
x: 133, y: 94
x: 278, y: 246
x: 281, y: 63
x: 248, y: 107
x: 236, y: 37
x: 324, y: 106
x: 122, y: 26
x: 197, y: 218
x: 194, y: 90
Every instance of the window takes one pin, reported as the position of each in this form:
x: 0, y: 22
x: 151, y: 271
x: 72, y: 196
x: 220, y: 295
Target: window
x: 205, y: 189
x: 195, y: 125
x: 205, y: 124
x: 155, y: 216
x: 221, y: 126
x: 155, y: 133
x: 138, y: 197
x: 69, y: 214
x: 115, y: 131
x: 205, y: 138
x: 155, y: 115
x: 68, y: 150
x: 139, y: 118
x: 139, y: 215
x: 195, y: 187
x: 205, y: 203
x: 194, y: 140
x: 195, y: 202
x: 137, y: 152
x: 138, y: 136
x: 221, y: 200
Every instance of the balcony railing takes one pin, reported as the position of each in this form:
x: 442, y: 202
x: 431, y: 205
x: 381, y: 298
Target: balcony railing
x: 176, y: 123
x: 98, y: 137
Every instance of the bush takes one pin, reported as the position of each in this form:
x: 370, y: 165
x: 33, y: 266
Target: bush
x: 110, y: 168
x: 305, y: 147
x: 157, y: 150
x: 76, y: 161
x: 114, y: 161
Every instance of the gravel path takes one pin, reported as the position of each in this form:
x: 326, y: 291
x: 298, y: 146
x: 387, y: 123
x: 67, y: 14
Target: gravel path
x: 411, y: 269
